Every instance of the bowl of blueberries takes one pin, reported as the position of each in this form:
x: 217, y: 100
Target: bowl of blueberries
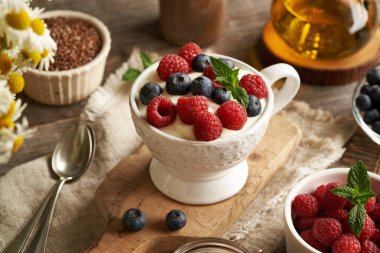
x: 366, y: 104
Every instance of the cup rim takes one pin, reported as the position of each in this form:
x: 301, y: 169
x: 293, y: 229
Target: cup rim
x: 100, y: 27
x: 295, y: 190
x: 264, y: 117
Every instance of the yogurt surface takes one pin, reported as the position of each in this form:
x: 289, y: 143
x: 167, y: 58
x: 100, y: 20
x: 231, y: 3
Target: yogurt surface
x: 182, y: 130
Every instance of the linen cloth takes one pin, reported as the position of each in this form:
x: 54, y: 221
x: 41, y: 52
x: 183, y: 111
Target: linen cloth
x: 77, y: 223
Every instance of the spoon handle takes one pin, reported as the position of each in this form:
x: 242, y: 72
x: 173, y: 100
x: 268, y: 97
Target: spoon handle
x: 23, y: 240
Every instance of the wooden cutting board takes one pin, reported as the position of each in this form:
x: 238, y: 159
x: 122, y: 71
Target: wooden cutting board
x: 129, y: 185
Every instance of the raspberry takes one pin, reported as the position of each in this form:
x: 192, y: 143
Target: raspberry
x: 330, y: 200
x: 303, y: 224
x: 232, y: 115
x: 305, y: 205
x: 368, y: 229
x: 209, y: 72
x: 370, y: 205
x: 319, y: 192
x: 369, y: 247
x: 346, y: 243
x: 327, y: 230
x: 207, y: 127
x: 341, y: 215
x: 189, y: 51
x: 161, y: 111
x: 171, y: 64
x: 375, y: 214
x: 189, y: 107
x: 254, y: 85
x: 308, y: 237
x: 376, y: 236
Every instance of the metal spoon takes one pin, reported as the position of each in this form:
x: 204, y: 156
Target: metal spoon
x: 71, y: 158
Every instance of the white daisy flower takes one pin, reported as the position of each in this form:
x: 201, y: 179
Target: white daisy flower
x: 7, y: 138
x: 6, y: 98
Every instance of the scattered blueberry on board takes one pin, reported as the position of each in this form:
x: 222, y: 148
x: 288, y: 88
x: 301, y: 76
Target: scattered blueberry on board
x: 176, y: 219
x: 368, y: 102
x: 134, y: 219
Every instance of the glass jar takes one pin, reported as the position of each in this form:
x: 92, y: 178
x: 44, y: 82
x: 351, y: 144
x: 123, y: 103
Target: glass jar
x: 324, y: 29
x: 211, y: 245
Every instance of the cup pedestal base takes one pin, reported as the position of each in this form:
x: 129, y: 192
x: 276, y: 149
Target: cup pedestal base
x: 221, y: 186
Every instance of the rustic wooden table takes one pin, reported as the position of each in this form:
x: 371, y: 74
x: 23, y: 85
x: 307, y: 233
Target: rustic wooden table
x: 135, y: 23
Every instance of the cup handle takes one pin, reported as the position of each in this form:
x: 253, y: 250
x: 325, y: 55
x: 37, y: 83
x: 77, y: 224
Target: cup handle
x: 289, y: 89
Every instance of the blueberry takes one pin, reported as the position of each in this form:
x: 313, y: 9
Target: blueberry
x: 371, y: 116
x: 201, y: 86
x: 375, y: 93
x: 365, y: 89
x: 134, y: 219
x: 175, y: 219
x: 363, y: 102
x: 373, y: 76
x: 200, y: 62
x: 220, y: 95
x: 228, y: 62
x: 376, y: 127
x: 254, y: 106
x: 149, y: 91
x: 178, y: 84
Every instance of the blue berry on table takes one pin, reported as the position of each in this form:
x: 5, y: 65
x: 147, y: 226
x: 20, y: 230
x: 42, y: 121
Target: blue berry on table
x: 220, y: 95
x: 254, y: 106
x: 373, y: 76
x: 148, y: 92
x: 371, y: 116
x: 376, y: 127
x: 363, y: 102
x: 178, y: 84
x: 201, y: 86
x: 375, y: 93
x: 134, y: 219
x: 200, y: 61
x: 228, y: 62
x: 176, y: 219
x: 365, y: 89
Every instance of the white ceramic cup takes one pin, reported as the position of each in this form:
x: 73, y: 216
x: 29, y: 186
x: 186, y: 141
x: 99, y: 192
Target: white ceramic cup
x: 69, y: 86
x: 307, y: 185
x: 198, y: 172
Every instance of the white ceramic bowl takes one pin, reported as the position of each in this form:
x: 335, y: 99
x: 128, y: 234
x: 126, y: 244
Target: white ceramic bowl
x: 69, y: 86
x: 197, y: 172
x: 294, y: 242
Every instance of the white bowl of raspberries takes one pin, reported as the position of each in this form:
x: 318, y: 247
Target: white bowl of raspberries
x: 201, y: 115
x: 334, y: 210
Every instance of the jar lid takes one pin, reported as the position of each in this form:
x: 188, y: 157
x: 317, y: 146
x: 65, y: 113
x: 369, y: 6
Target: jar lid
x: 211, y: 245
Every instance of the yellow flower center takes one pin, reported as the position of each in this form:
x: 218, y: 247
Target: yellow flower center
x: 11, y: 111
x: 35, y: 56
x: 19, y: 21
x: 6, y: 122
x: 44, y: 53
x: 17, y: 143
x: 5, y: 64
x: 38, y: 26
x: 16, y: 82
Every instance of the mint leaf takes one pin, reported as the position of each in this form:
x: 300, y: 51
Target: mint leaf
x: 220, y: 68
x: 241, y: 96
x: 343, y: 191
x: 235, y: 78
x: 131, y: 74
x: 225, y: 83
x: 146, y: 60
x: 362, y: 197
x: 358, y: 177
x: 356, y: 218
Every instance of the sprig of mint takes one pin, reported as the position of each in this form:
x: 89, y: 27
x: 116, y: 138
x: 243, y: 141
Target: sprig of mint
x: 357, y: 191
x: 228, y: 78
x: 131, y: 74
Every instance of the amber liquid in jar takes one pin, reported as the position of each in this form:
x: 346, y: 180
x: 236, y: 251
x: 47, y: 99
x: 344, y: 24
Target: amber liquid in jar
x: 324, y: 29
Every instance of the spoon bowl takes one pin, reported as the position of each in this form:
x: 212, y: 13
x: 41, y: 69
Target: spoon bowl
x: 71, y: 158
